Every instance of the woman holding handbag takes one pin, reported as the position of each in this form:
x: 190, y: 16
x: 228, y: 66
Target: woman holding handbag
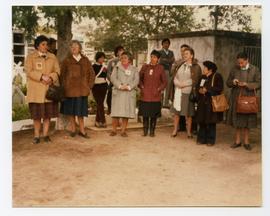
x: 42, y: 70
x: 210, y: 84
x: 243, y: 78
x: 100, y: 88
x: 185, y: 78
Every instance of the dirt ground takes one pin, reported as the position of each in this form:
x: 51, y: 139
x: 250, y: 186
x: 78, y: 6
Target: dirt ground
x: 135, y: 171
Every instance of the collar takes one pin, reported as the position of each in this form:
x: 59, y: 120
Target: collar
x: 77, y: 58
x: 166, y: 51
x: 246, y: 68
x: 42, y: 54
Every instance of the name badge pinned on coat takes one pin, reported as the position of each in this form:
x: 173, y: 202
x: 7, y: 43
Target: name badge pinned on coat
x: 202, y: 82
x: 39, y: 66
x: 128, y: 72
x: 151, y: 72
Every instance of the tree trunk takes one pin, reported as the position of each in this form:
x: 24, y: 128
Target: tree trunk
x: 64, y: 34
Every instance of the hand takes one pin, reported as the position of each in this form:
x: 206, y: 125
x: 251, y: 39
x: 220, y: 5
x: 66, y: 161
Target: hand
x: 235, y: 81
x: 242, y: 84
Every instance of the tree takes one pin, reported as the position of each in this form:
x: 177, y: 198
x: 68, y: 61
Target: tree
x: 132, y: 25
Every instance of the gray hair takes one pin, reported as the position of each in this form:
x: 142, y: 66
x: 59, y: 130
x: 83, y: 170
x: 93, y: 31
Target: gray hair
x: 76, y: 42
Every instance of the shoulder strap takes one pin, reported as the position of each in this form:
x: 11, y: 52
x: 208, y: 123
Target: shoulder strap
x: 213, y: 79
x: 100, y: 71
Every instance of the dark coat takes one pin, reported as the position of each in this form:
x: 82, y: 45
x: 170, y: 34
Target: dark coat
x: 152, y: 84
x: 166, y: 60
x: 253, y: 79
x: 195, y: 71
x: 204, y: 108
x: 77, y: 77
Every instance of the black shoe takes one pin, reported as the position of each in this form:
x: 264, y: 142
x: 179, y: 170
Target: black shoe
x: 47, y: 139
x: 174, y: 135
x: 83, y: 135
x: 201, y: 143
x: 247, y: 147
x: 36, y: 140
x: 210, y: 144
x: 72, y: 134
x: 189, y: 136
x: 235, y: 145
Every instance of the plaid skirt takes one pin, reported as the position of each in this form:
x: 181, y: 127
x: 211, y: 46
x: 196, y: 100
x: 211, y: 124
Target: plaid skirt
x: 43, y: 110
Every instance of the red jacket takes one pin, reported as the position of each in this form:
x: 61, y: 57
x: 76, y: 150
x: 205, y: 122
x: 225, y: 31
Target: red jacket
x: 152, y: 82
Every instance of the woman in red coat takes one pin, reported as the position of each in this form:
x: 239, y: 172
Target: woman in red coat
x: 152, y: 83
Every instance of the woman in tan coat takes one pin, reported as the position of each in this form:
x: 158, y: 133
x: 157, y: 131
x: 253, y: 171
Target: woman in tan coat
x: 42, y: 69
x: 77, y: 76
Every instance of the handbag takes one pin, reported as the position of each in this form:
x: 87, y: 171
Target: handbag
x: 193, y: 97
x: 219, y: 102
x: 247, y: 104
x: 55, y: 93
x: 100, y: 80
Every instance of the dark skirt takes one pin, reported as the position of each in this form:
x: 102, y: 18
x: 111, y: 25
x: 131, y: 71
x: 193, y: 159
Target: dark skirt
x: 150, y: 109
x: 43, y: 110
x: 75, y: 106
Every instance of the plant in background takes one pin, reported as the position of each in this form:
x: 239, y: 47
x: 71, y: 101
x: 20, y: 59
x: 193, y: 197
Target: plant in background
x: 20, y: 112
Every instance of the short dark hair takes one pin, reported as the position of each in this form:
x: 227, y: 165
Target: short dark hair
x: 166, y: 40
x: 39, y: 40
x: 155, y: 53
x: 242, y: 55
x: 184, y: 46
x: 116, y: 49
x: 99, y: 55
x: 51, y: 41
x: 210, y: 66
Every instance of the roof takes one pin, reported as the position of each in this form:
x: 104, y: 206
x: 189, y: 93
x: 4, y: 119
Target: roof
x: 222, y: 33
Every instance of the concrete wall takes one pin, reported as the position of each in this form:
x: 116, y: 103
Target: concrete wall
x: 203, y: 47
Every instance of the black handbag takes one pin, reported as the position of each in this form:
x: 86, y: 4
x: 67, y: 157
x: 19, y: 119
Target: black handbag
x: 55, y: 93
x: 193, y: 97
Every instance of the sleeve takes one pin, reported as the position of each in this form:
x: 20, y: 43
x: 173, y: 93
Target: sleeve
x: 114, y: 78
x: 91, y: 74
x: 176, y: 82
x: 109, y: 70
x: 217, y: 87
x: 141, y: 74
x: 56, y: 71
x: 30, y: 71
x: 163, y: 80
x: 257, y: 80
x: 230, y: 79
x: 135, y: 80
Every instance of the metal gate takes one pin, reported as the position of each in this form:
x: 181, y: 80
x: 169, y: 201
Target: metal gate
x: 254, y: 55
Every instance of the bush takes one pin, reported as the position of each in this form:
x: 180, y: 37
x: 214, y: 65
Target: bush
x: 24, y: 89
x: 20, y: 112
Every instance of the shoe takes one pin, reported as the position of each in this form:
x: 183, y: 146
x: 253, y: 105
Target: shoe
x: 124, y: 134
x: 103, y: 125
x: 72, y: 134
x: 210, y: 144
x: 174, y: 135
x: 201, y: 143
x: 247, y: 147
x: 113, y: 133
x: 36, y: 140
x: 83, y: 135
x: 47, y: 139
x: 97, y: 124
x: 235, y: 145
x: 189, y: 136
x: 152, y: 134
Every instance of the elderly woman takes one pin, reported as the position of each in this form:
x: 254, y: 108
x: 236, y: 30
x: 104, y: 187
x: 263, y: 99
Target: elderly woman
x: 77, y: 77
x: 243, y: 77
x: 100, y: 88
x: 210, y: 84
x: 185, y: 78
x: 125, y: 79
x: 42, y: 69
x: 152, y: 83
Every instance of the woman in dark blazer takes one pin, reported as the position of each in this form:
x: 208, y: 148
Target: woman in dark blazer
x: 152, y: 82
x: 210, y: 84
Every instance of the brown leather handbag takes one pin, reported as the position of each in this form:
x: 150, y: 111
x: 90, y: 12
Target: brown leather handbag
x: 247, y: 104
x: 219, y: 102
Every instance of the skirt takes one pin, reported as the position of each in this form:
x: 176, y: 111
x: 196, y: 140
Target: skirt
x: 75, y: 106
x: 187, y: 107
x: 43, y: 110
x: 150, y: 109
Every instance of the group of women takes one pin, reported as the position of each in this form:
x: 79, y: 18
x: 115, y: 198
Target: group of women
x: 78, y: 76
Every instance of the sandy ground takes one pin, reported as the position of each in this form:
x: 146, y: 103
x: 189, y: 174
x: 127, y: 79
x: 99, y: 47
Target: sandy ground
x: 135, y: 171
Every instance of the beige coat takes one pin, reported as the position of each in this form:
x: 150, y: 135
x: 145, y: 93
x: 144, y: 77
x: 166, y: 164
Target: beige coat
x: 35, y: 66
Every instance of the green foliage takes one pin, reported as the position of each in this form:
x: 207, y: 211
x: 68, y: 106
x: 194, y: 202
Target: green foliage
x: 20, y: 112
x: 24, y: 89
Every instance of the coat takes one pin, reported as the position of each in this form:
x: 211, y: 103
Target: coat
x: 204, y: 109
x: 124, y: 102
x: 152, y: 82
x: 35, y: 67
x: 253, y: 79
x: 195, y: 71
x: 166, y: 60
x: 77, y: 77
